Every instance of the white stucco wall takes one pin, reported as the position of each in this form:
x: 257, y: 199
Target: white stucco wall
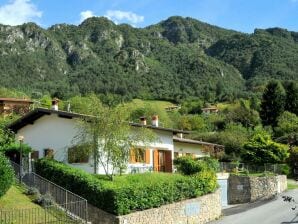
x: 183, y: 148
x: 54, y: 132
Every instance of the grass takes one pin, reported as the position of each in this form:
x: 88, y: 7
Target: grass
x: 292, y: 184
x: 16, y: 207
x: 16, y: 199
x: 141, y: 103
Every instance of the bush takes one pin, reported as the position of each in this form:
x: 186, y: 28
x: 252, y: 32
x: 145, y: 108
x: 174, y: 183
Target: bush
x: 285, y: 169
x: 130, y: 192
x: 188, y: 165
x: 6, y: 175
x: 44, y: 200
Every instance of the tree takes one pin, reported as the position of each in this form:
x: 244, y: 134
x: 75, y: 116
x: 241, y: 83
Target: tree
x: 262, y: 149
x: 6, y: 175
x: 244, y: 115
x: 291, y: 104
x: 111, y: 137
x: 273, y: 103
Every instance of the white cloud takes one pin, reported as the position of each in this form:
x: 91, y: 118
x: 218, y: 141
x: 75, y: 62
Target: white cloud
x: 17, y: 12
x: 86, y: 14
x: 123, y: 16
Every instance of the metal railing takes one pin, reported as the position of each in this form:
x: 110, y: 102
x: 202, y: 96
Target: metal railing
x: 72, y: 204
x: 54, y: 214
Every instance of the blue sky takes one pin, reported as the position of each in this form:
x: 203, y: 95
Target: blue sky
x: 241, y: 15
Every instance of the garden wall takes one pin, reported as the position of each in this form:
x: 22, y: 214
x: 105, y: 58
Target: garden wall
x: 197, y: 210
x: 244, y: 189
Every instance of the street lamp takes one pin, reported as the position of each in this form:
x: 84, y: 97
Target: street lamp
x: 21, y: 139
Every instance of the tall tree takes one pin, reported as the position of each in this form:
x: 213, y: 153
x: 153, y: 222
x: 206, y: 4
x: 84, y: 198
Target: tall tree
x: 292, y: 97
x: 273, y: 103
x: 111, y: 137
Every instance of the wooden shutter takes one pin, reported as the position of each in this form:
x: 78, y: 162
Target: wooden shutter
x: 147, y: 156
x: 155, y: 160
x: 132, y: 156
x: 35, y: 155
x: 168, y: 161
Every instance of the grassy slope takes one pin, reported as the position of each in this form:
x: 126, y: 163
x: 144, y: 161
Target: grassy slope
x: 141, y: 103
x: 16, y: 199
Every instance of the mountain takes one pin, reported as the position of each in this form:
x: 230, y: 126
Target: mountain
x: 172, y: 60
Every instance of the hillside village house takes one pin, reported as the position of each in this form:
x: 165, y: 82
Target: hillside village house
x: 14, y: 105
x: 51, y: 132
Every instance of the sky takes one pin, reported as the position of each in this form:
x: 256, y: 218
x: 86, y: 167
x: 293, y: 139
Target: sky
x: 240, y: 15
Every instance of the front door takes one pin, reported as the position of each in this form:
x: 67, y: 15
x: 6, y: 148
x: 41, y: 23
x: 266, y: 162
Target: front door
x: 162, y: 160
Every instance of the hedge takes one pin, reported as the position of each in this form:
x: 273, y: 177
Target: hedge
x: 127, y: 193
x: 6, y: 175
x: 189, y: 166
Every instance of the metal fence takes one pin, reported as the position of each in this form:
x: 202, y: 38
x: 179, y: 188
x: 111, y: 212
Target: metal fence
x: 53, y: 214
x: 251, y: 168
x: 72, y: 205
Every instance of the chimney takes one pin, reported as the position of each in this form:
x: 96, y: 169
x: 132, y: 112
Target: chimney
x: 155, y: 120
x: 55, y: 102
x: 143, y: 120
x: 180, y: 135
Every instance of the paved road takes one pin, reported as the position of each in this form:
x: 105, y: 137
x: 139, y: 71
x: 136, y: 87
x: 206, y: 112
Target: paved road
x: 274, y: 212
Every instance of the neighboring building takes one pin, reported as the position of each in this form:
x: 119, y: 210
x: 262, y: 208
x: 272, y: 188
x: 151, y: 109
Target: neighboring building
x: 52, y: 133
x: 13, y: 105
x: 210, y: 110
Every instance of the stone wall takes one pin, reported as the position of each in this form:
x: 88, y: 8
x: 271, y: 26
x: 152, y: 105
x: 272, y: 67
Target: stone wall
x: 197, y: 210
x: 243, y: 189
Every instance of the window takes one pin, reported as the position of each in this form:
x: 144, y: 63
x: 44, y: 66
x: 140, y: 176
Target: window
x: 49, y: 153
x: 139, y: 155
x: 78, y: 154
x: 35, y: 155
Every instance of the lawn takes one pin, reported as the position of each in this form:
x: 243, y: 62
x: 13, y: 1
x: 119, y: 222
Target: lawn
x: 17, y: 208
x: 292, y: 184
x: 141, y: 103
x: 16, y: 199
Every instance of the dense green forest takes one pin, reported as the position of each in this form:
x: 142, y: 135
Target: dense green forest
x: 175, y: 59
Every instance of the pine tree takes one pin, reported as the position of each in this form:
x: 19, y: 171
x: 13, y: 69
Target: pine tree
x: 291, y: 104
x: 273, y: 103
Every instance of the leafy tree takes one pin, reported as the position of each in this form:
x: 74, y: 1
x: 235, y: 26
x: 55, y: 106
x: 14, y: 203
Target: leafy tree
x: 262, y: 149
x: 291, y: 104
x: 244, y: 115
x: 6, y: 175
x: 111, y: 137
x: 273, y: 103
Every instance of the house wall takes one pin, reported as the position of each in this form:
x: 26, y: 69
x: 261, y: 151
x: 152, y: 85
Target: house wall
x: 54, y: 132
x: 164, y: 142
x: 51, y: 131
x: 182, y: 148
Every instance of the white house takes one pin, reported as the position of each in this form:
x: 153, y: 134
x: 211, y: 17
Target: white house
x: 52, y: 133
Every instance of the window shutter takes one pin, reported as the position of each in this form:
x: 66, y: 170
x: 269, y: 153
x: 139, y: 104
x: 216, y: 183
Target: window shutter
x: 147, y: 156
x: 35, y: 155
x: 155, y: 160
x: 132, y: 156
x: 168, y: 160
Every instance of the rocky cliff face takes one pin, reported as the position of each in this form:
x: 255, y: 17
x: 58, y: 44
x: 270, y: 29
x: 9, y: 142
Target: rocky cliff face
x: 176, y: 58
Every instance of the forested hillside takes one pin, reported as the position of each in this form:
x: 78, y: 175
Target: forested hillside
x: 172, y: 60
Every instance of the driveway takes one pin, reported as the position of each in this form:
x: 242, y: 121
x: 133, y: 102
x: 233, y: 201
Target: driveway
x: 273, y: 212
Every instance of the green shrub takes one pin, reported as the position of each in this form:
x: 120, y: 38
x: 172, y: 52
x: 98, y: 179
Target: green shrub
x: 188, y: 165
x: 285, y: 169
x: 128, y: 193
x: 6, y: 175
